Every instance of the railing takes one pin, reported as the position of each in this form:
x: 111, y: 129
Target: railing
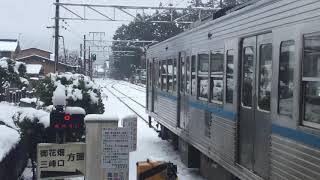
x: 13, y: 95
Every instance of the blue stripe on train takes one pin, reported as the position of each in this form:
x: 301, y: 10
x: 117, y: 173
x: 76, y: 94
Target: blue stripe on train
x: 218, y: 111
x: 297, y: 135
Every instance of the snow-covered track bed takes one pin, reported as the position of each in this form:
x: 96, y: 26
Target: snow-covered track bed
x: 130, y: 103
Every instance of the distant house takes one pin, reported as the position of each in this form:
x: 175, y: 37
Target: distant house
x: 9, y: 48
x: 43, y: 58
x: 35, y: 71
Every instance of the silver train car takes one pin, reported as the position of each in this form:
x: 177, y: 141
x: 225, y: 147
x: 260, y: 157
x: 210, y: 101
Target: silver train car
x: 239, y: 95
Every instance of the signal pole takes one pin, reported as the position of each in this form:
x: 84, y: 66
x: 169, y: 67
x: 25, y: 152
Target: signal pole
x: 84, y: 54
x: 56, y: 39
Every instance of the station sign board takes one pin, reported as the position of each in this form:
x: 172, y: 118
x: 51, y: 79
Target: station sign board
x: 60, y: 160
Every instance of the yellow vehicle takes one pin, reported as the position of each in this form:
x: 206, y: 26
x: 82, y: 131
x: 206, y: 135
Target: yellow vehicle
x: 156, y: 170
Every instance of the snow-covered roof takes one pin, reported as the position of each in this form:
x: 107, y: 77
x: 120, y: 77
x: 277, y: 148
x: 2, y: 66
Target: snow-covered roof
x: 8, y: 45
x: 33, y: 68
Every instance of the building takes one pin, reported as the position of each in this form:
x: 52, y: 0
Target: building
x: 44, y: 58
x: 9, y: 48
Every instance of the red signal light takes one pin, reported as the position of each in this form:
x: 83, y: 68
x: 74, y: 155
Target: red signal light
x: 67, y: 117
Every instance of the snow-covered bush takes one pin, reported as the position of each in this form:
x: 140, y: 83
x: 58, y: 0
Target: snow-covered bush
x: 12, y: 73
x: 79, y: 91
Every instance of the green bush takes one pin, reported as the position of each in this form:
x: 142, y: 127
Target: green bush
x: 80, y: 91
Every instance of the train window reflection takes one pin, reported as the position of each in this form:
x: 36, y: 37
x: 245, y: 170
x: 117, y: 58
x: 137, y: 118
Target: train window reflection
x: 247, y: 76
x: 188, y: 85
x: 159, y: 74
x: 193, y: 75
x: 182, y: 74
x: 230, y: 76
x: 265, y: 74
x: 203, y: 70
x: 311, y: 80
x: 170, y: 74
x: 216, y: 76
x: 174, y: 74
x: 286, y: 72
x: 164, y: 75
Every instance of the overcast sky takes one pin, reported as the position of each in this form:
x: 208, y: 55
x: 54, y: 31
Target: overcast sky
x: 28, y: 19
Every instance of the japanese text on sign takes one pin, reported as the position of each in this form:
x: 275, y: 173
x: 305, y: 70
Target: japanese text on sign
x: 115, y: 148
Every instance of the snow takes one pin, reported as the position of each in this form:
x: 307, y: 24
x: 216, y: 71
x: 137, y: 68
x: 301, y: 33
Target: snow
x: 94, y: 97
x: 59, y: 95
x: 9, y: 138
x: 4, y: 63
x: 74, y: 110
x: 74, y: 94
x: 24, y: 81
x: 33, y: 68
x: 101, y: 117
x: 8, y: 46
x: 149, y: 145
x: 28, y: 100
x: 8, y: 111
x: 33, y: 114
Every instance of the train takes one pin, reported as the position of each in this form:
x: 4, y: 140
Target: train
x: 239, y: 94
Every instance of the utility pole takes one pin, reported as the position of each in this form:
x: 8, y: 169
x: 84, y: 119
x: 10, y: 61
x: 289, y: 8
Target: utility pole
x: 84, y: 54
x: 81, y: 57
x: 56, y: 39
x: 90, y: 64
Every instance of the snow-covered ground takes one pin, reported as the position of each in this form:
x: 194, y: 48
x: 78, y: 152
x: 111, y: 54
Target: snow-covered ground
x: 9, y: 132
x: 149, y: 145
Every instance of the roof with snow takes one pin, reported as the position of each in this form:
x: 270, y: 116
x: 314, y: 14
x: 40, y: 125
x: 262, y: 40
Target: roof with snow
x: 8, y: 45
x: 33, y: 68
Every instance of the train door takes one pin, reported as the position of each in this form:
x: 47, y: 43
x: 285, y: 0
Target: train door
x: 152, y: 84
x: 156, y: 83
x: 255, y: 123
x: 182, y: 97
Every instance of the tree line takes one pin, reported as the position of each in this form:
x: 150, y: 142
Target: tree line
x: 124, y: 66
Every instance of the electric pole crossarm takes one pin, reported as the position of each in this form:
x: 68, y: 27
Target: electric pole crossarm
x: 138, y: 7
x: 73, y: 12
x: 126, y: 10
x: 100, y: 13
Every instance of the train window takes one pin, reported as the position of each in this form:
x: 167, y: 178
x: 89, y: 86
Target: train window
x: 174, y: 74
x: 193, y: 76
x: 164, y: 75
x: 170, y: 74
x: 159, y: 74
x: 203, y: 72
x: 230, y: 76
x: 216, y: 76
x: 182, y: 74
x: 188, y: 85
x: 311, y: 80
x: 286, y: 72
x: 265, y: 74
x: 247, y: 76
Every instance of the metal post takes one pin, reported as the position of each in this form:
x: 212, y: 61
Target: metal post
x: 84, y: 54
x: 89, y: 65
x: 150, y: 121
x: 56, y: 39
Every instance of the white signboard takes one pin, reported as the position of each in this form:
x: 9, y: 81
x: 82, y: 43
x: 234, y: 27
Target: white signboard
x: 60, y: 160
x: 131, y: 125
x: 115, y: 148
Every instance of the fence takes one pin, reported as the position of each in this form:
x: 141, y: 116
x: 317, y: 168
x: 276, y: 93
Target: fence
x: 13, y: 95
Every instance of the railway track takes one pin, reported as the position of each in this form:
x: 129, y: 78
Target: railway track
x: 128, y: 106
x: 128, y: 96
x: 136, y: 88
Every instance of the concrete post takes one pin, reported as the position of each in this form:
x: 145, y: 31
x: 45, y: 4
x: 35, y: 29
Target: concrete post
x: 94, y: 125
